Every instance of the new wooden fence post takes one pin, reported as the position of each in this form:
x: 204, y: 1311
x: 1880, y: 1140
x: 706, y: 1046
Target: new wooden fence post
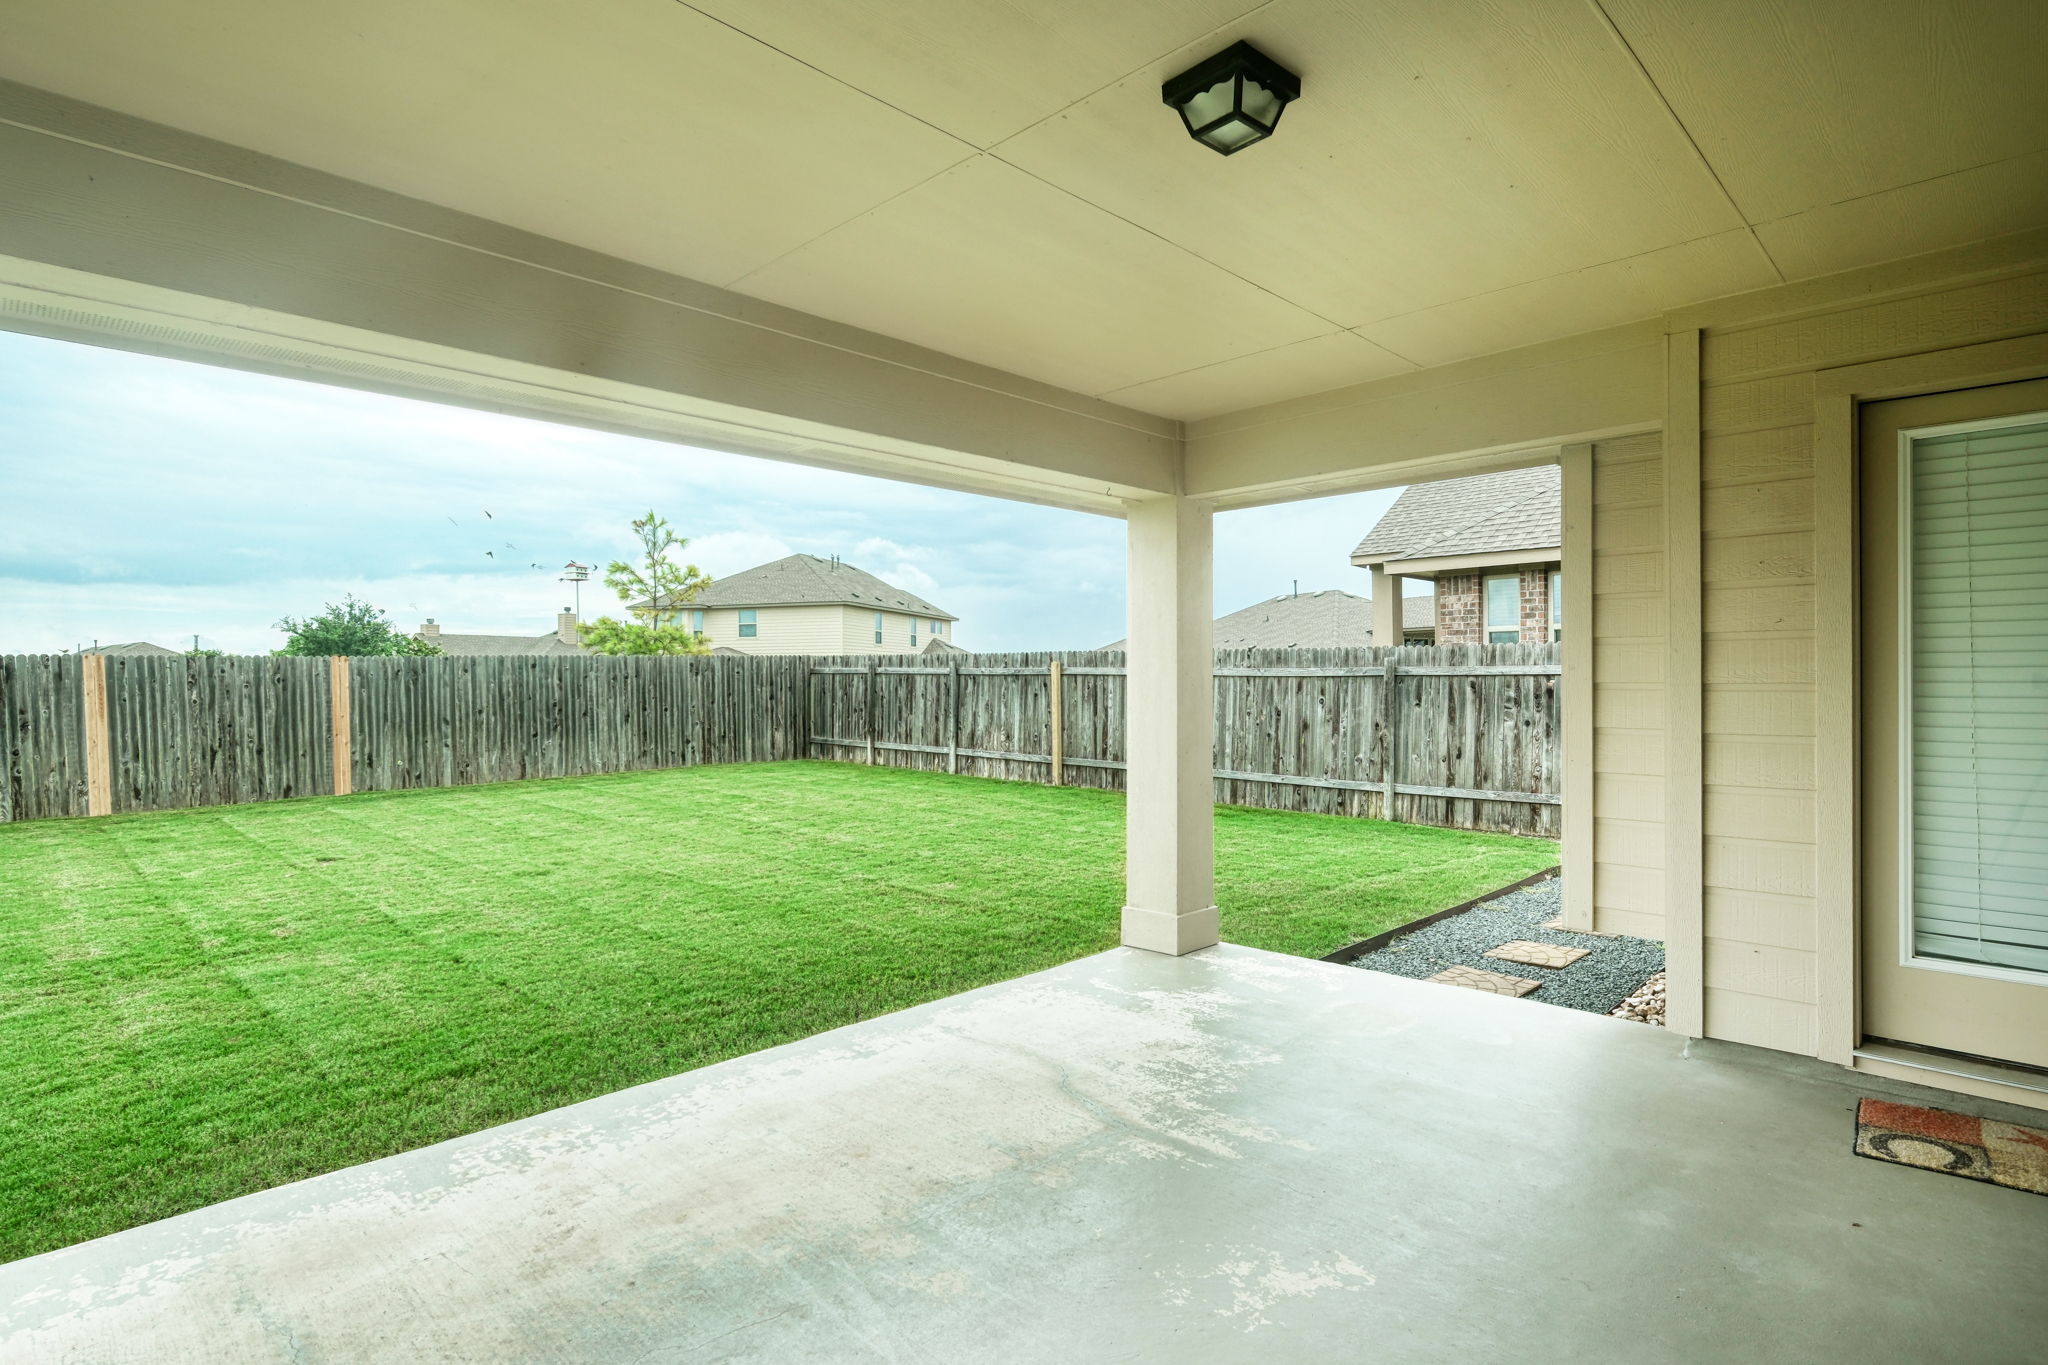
x: 1055, y: 676
x: 99, y: 763
x: 341, y: 725
x: 871, y: 712
x: 953, y: 707
x: 1390, y: 726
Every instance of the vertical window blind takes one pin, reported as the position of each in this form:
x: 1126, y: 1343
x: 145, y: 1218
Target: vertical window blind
x: 1978, y: 526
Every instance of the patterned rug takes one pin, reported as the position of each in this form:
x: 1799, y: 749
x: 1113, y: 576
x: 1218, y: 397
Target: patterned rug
x: 1954, y: 1144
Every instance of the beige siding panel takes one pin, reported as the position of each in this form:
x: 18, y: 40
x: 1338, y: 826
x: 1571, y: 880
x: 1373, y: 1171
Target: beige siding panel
x: 1639, y: 889
x: 1759, y: 865
x: 1759, y: 969
x: 1731, y: 659
x: 1774, y: 453
x: 1745, y: 509
x: 1630, y: 663
x: 1620, y: 573
x: 1628, y: 796
x: 1764, y: 619
x: 1775, y: 609
x: 1630, y: 843
x: 1929, y: 321
x: 1787, y: 1025
x: 1639, y: 527
x: 1629, y: 617
x: 1760, y: 710
x: 1614, y: 919
x: 1756, y: 813
x: 1628, y: 708
x: 1759, y: 917
x: 1629, y: 483
x: 1759, y: 558
x: 1741, y: 761
x: 1640, y: 752
x: 1758, y: 404
x: 1628, y: 670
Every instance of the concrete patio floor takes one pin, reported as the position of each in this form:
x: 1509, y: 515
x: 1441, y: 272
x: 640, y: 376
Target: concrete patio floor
x: 1231, y: 1156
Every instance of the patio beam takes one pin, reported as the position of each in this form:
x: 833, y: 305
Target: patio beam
x: 119, y: 232
x: 1170, y: 892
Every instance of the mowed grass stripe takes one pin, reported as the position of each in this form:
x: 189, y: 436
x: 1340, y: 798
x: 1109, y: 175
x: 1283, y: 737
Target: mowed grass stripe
x: 198, y: 1004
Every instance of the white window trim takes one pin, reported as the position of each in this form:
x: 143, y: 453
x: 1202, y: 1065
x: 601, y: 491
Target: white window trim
x: 1903, y: 722
x: 1486, y: 625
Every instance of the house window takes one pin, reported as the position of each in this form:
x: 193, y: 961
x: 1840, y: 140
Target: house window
x: 938, y: 627
x: 878, y: 627
x: 1503, y: 609
x: 697, y: 622
x: 749, y: 626
x: 1556, y: 604
x: 913, y: 632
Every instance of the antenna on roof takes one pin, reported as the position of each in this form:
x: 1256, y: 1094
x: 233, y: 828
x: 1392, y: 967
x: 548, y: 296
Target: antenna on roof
x: 1297, y: 587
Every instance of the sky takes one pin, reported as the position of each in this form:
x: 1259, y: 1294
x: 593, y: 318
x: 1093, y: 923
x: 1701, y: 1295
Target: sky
x: 152, y: 499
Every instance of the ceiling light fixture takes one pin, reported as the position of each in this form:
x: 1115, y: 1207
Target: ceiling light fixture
x: 1233, y: 99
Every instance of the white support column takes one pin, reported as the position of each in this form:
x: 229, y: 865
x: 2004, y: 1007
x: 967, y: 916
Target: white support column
x: 1170, y: 875
x: 1386, y: 606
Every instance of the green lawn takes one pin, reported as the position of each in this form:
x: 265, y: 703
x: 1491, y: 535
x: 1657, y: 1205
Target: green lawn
x: 198, y: 1004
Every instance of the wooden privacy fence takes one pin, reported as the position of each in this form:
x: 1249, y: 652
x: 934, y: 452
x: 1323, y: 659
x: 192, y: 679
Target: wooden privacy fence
x: 1466, y: 736
x: 93, y: 735
x: 1459, y: 735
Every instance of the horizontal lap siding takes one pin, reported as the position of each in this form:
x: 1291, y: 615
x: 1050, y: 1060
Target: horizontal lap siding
x: 1628, y: 685
x: 1758, y: 520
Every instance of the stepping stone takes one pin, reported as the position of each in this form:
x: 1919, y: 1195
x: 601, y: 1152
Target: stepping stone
x: 1497, y: 983
x: 1532, y: 954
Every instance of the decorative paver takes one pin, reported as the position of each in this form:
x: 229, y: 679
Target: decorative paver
x: 1473, y: 979
x: 1530, y: 953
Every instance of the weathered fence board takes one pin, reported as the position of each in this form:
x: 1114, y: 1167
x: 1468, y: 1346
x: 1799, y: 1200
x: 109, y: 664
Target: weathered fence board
x: 1462, y: 735
x: 1467, y: 736
x: 223, y: 731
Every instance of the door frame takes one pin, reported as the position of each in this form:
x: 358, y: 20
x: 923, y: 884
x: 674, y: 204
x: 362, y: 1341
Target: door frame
x: 1837, y: 393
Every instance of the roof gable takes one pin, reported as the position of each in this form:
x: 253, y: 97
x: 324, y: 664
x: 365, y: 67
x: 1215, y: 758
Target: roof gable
x: 806, y: 580
x: 1518, y: 509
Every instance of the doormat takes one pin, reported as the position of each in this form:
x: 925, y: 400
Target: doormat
x: 2008, y: 1154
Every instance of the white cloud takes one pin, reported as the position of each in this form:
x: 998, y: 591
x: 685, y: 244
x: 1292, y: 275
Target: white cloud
x: 149, y: 498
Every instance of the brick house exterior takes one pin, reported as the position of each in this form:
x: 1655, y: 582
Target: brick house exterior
x: 1460, y: 604
x: 1459, y: 533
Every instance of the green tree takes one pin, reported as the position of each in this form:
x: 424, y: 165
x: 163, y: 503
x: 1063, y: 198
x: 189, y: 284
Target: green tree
x: 354, y: 628
x: 609, y: 636
x: 656, y: 590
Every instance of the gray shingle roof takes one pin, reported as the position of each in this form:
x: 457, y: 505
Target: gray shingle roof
x: 801, y: 580
x: 134, y: 649
x: 1485, y: 514
x: 1329, y: 619
x: 463, y: 646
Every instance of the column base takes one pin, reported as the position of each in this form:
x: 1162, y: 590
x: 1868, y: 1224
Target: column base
x: 1163, y: 931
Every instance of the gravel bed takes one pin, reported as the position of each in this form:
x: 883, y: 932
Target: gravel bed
x: 1614, y: 969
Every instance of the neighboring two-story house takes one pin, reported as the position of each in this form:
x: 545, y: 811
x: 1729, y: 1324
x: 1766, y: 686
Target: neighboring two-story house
x: 1490, y: 543
x: 799, y: 605
x: 806, y: 605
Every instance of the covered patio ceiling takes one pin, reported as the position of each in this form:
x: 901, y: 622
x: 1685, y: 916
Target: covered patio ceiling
x: 1231, y: 1156
x: 1001, y: 183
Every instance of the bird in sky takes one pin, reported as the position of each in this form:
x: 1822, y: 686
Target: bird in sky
x: 487, y: 512
x: 490, y: 554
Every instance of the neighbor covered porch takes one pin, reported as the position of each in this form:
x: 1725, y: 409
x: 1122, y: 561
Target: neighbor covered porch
x: 1230, y: 1155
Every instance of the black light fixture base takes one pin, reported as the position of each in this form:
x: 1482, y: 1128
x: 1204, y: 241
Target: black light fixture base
x: 1233, y: 99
